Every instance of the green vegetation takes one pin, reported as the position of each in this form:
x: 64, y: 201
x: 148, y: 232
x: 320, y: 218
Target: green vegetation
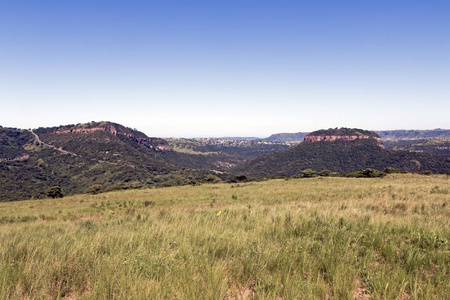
x: 311, y: 238
x: 308, y: 173
x: 94, y: 189
x: 12, y: 141
x: 54, y: 192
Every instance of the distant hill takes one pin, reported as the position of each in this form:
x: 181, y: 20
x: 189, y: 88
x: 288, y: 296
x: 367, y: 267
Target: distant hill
x: 285, y: 137
x: 389, y: 137
x: 235, y: 138
x: 413, y: 134
x: 440, y: 145
x: 341, y: 150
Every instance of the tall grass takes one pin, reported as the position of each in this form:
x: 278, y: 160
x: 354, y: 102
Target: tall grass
x: 316, y: 238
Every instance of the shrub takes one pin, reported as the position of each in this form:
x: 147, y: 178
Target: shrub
x: 426, y: 172
x: 325, y: 173
x: 212, y: 179
x: 54, y: 192
x: 390, y: 170
x: 93, y: 189
x: 308, y: 173
x: 371, y: 173
x: 241, y: 178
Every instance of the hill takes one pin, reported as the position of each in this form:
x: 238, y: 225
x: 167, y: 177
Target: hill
x: 341, y: 150
x: 386, y: 135
x: 286, y: 137
x: 413, y: 134
x: 78, y: 156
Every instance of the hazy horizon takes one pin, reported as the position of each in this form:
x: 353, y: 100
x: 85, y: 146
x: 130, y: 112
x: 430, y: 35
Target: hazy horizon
x: 226, y: 68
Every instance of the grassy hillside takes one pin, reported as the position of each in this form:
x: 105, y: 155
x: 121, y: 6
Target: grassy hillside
x: 319, y: 238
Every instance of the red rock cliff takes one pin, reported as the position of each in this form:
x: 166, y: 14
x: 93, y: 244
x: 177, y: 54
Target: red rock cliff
x: 152, y: 143
x: 330, y: 138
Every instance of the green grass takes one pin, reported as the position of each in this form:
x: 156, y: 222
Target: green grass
x: 318, y: 238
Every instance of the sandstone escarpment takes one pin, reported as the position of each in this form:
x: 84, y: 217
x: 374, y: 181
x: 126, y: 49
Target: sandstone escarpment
x: 330, y: 138
x: 79, y: 130
x: 342, y: 134
x: 157, y: 144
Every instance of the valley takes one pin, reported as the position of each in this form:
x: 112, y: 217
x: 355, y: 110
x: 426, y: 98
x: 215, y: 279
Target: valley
x: 112, y: 156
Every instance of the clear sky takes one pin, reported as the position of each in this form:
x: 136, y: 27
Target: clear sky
x: 188, y: 68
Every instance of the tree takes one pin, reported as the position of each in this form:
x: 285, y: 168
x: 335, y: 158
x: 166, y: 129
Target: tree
x: 54, y: 192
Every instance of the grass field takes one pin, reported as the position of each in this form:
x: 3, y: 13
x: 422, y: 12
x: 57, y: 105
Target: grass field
x: 318, y: 238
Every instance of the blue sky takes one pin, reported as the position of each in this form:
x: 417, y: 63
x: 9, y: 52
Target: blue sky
x: 226, y: 68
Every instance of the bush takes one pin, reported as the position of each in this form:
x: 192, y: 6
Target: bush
x: 93, y: 189
x: 371, y: 173
x: 390, y: 170
x: 367, y: 173
x: 426, y: 172
x: 308, y: 173
x: 241, y: 178
x: 212, y: 179
x: 54, y: 192
x: 325, y: 173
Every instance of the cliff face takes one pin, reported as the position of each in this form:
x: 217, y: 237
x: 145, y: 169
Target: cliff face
x: 330, y: 138
x: 345, y: 135
x: 118, y: 130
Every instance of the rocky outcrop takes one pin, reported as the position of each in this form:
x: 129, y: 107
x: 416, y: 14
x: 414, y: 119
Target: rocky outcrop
x: 108, y: 128
x: 343, y: 134
x: 330, y: 138
x: 151, y: 143
x: 80, y: 130
x: 20, y: 158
